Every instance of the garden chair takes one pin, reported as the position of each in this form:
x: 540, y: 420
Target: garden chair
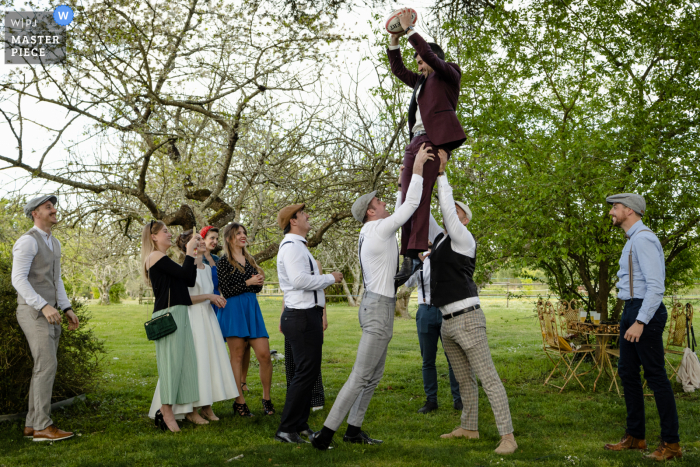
x: 557, y: 349
x: 567, y: 311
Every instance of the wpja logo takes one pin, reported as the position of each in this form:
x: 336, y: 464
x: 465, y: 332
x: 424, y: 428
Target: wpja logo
x: 36, y: 37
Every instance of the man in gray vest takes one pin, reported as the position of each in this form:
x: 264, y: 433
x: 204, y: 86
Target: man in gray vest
x: 36, y: 275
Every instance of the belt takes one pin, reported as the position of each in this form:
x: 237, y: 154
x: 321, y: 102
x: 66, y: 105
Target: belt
x: 419, y: 133
x: 317, y: 308
x: 461, y: 312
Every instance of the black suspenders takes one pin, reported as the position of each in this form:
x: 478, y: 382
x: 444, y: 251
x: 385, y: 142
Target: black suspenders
x: 311, y: 265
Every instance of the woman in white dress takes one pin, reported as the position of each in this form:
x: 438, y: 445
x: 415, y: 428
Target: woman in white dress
x: 216, y: 381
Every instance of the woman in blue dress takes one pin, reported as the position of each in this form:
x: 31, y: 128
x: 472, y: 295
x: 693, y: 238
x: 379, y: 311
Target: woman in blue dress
x: 241, y: 321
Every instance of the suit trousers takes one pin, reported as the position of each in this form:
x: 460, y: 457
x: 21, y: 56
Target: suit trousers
x: 428, y: 323
x: 376, y: 316
x: 414, y: 233
x: 649, y: 354
x: 303, y: 329
x: 464, y: 338
x: 43, y: 343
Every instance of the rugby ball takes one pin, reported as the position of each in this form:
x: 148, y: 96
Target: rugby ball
x: 393, y: 24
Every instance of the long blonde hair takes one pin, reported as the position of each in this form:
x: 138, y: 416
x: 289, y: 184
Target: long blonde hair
x: 148, y: 246
x: 229, y: 232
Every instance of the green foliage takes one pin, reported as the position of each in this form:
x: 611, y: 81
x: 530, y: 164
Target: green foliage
x: 117, y: 292
x: 79, y: 351
x: 565, y: 104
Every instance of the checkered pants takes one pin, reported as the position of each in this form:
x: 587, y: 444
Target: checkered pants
x: 464, y: 338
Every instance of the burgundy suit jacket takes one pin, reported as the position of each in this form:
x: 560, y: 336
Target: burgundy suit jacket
x: 437, y: 100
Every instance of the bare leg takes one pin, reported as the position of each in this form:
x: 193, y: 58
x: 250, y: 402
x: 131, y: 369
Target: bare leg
x: 236, y: 347
x: 261, y: 346
x: 169, y: 418
x: 246, y: 364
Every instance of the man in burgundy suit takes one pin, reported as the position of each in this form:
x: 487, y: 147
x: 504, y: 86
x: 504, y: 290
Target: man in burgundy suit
x: 432, y: 119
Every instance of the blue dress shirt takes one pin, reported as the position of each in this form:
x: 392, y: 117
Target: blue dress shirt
x: 649, y: 268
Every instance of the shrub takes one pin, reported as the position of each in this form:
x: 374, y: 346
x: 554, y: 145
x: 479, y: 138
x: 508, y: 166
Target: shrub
x: 79, y: 352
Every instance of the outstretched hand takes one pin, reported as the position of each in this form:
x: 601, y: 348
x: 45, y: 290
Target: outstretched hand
x: 405, y: 18
x: 424, y: 155
x: 442, y: 154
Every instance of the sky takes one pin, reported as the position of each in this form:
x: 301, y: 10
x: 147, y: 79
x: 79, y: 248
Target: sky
x: 36, y: 139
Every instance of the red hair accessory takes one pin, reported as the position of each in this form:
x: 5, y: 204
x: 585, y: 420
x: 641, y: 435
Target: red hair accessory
x: 205, y: 230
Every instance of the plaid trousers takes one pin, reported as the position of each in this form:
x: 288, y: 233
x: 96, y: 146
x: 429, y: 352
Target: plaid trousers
x: 464, y: 339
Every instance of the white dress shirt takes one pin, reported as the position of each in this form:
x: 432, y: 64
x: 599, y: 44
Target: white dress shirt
x: 421, y: 279
x: 23, y: 253
x: 378, y: 248
x: 295, y: 275
x: 462, y: 239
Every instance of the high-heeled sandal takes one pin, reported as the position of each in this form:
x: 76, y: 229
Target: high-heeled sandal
x: 242, y: 410
x: 244, y: 386
x: 268, y: 408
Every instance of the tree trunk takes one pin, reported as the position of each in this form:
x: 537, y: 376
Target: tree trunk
x: 403, y: 297
x: 348, y: 293
x: 104, y: 294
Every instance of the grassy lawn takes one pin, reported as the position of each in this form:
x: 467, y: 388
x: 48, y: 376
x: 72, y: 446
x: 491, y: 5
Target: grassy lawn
x: 552, y: 429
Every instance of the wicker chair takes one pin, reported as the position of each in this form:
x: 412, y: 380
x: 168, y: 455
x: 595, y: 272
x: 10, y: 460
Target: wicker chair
x: 557, y: 349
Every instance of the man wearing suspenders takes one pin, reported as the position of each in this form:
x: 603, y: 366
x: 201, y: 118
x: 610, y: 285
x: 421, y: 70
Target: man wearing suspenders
x: 302, y: 319
x: 452, y: 286
x: 378, y: 251
x: 642, y: 274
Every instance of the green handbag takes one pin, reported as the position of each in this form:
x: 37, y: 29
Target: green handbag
x: 161, y: 326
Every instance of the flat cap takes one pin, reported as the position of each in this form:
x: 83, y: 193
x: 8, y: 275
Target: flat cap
x: 286, y: 214
x: 632, y: 200
x: 38, y: 201
x: 465, y: 208
x: 359, y: 207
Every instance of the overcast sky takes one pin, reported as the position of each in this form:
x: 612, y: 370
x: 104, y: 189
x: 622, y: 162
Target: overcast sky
x: 37, y: 139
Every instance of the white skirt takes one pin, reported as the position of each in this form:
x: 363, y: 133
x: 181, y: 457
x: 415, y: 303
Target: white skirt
x: 216, y: 381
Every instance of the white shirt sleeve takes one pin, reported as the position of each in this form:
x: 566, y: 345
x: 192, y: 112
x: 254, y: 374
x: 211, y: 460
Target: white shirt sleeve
x: 61, y: 295
x: 295, y: 260
x: 391, y: 224
x: 435, y: 228
x: 462, y: 240
x: 23, y: 254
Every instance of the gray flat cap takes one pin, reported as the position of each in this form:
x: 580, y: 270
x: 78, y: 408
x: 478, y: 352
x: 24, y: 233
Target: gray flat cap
x: 465, y: 208
x: 359, y: 207
x: 38, y: 201
x: 632, y: 200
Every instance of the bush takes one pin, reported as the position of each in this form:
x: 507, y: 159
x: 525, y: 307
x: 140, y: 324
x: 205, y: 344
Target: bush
x: 79, y: 352
x: 116, y: 293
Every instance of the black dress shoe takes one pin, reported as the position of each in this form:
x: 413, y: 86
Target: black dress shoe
x: 283, y: 437
x: 318, y: 443
x: 428, y: 407
x: 405, y: 273
x: 308, y: 432
x: 362, y: 438
x: 458, y: 405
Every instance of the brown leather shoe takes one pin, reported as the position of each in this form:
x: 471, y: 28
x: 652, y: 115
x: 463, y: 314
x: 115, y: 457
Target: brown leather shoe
x: 28, y: 432
x: 460, y: 432
x: 627, y: 442
x: 666, y: 451
x: 51, y: 433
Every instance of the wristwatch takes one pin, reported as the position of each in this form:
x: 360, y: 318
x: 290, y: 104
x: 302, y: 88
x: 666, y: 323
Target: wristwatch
x: 408, y: 29
x: 641, y: 322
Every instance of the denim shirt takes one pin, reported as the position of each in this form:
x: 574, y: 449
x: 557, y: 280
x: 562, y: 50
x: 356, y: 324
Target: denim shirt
x: 214, y: 257
x: 649, y: 268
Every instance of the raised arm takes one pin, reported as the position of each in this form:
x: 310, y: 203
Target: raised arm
x: 399, y: 70
x: 461, y: 237
x: 187, y: 272
x: 441, y: 67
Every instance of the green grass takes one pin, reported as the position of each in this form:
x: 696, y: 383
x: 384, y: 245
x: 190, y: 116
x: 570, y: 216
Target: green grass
x: 552, y: 429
